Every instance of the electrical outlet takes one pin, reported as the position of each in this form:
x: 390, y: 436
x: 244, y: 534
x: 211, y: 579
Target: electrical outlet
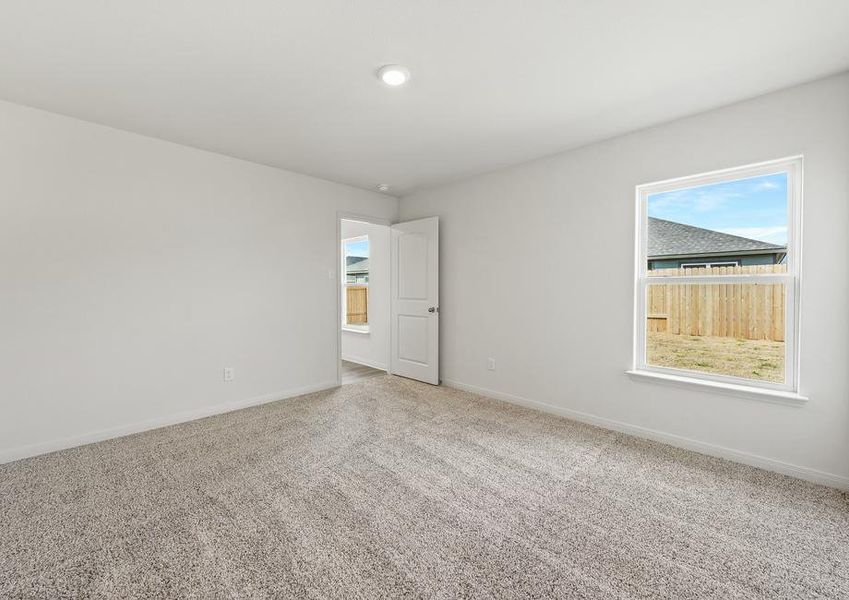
x: 490, y: 364
x: 229, y: 374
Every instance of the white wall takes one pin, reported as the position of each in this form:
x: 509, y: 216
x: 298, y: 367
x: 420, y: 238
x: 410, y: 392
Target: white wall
x: 371, y: 348
x: 537, y: 272
x: 133, y: 270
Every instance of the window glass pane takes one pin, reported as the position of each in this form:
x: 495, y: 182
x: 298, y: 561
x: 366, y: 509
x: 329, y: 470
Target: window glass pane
x: 725, y: 228
x: 356, y: 281
x: 356, y: 305
x: 735, y: 330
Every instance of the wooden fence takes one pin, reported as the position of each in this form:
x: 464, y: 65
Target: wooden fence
x: 356, y: 304
x: 739, y: 310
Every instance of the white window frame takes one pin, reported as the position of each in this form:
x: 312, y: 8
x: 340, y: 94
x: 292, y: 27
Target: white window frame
x: 345, y: 325
x: 793, y: 167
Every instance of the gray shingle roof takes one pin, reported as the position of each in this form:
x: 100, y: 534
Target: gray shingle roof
x: 356, y: 264
x: 667, y: 238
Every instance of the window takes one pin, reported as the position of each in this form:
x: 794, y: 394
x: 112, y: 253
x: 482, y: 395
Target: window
x: 355, y: 256
x: 710, y: 265
x: 717, y: 282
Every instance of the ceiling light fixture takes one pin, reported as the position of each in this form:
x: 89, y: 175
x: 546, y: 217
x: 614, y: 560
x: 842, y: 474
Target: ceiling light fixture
x: 383, y: 187
x: 393, y: 75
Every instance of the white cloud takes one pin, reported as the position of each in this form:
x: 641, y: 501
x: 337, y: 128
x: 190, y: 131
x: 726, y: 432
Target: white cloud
x: 766, y: 185
x: 697, y: 200
x: 711, y: 202
x: 774, y: 235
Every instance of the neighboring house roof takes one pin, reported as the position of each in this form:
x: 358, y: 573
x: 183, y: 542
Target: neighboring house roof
x: 356, y: 264
x: 668, y: 238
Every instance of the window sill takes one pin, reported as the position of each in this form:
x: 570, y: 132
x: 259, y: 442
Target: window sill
x: 352, y: 329
x: 744, y: 391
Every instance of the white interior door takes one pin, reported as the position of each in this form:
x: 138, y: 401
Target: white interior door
x: 415, y: 300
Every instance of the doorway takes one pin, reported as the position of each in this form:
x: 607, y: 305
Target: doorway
x: 364, y: 301
x: 387, y: 290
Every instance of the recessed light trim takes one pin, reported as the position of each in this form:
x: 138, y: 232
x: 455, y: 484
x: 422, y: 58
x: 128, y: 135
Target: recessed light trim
x: 394, y: 75
x: 383, y: 187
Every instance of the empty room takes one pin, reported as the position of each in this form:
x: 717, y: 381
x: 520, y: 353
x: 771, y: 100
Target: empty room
x: 395, y: 299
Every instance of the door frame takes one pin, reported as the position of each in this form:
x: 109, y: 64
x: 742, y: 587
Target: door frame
x: 348, y: 216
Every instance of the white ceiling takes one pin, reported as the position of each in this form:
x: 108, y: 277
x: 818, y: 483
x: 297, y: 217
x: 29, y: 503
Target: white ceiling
x: 494, y: 82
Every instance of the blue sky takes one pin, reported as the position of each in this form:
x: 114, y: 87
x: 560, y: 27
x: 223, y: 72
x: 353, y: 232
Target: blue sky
x: 357, y: 248
x: 754, y: 208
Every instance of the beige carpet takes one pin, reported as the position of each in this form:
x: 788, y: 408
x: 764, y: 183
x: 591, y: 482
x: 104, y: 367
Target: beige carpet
x: 390, y: 488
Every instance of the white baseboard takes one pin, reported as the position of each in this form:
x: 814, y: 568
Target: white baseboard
x: 182, y: 417
x: 366, y: 362
x: 769, y: 464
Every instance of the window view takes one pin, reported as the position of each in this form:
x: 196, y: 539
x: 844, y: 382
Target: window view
x: 726, y: 329
x: 718, y: 288
x: 356, y: 252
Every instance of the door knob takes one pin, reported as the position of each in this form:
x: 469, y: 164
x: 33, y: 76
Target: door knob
x: 432, y: 309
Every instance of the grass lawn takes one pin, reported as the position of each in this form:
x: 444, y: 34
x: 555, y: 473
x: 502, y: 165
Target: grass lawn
x: 752, y: 359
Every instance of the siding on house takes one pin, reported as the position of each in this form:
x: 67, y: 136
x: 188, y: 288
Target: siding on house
x: 743, y: 261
